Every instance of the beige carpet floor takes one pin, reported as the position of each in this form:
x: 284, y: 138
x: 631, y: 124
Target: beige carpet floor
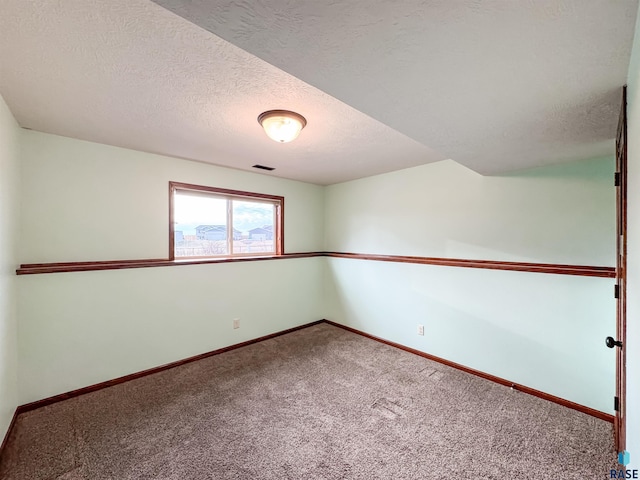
x: 318, y: 403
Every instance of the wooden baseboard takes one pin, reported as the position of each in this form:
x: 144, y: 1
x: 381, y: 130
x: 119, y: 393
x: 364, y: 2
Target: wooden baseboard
x: 116, y: 381
x: 5, y: 440
x: 109, y: 383
x: 516, y: 386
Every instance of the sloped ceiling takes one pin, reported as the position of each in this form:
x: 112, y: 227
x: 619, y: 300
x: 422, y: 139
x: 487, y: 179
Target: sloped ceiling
x: 494, y: 85
x: 132, y: 74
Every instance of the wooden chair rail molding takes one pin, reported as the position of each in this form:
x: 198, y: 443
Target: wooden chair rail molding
x: 34, y: 268
x: 558, y: 269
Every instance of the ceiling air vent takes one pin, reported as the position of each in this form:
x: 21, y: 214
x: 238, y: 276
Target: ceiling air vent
x: 263, y: 167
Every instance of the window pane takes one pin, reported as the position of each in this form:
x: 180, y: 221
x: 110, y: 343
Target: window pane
x: 253, y: 227
x: 200, y: 226
x: 217, y: 222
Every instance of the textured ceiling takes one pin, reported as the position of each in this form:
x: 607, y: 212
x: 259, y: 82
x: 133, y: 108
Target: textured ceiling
x: 496, y: 85
x: 132, y: 74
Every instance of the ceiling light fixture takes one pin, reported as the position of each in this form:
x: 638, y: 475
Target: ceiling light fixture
x: 282, y: 125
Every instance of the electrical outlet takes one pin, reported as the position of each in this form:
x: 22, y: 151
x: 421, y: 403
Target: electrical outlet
x: 420, y: 329
x: 236, y: 323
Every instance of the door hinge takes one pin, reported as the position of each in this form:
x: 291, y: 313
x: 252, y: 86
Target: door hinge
x: 616, y: 179
x: 616, y: 404
x: 616, y: 291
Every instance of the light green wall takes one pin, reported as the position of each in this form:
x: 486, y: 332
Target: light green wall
x: 543, y: 331
x: 633, y: 251
x: 83, y: 201
x: 77, y: 329
x: 9, y: 210
x: 559, y: 214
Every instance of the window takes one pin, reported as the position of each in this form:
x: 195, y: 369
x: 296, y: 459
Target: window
x: 215, y: 222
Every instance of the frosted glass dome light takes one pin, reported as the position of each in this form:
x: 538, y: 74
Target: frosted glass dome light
x: 282, y: 125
